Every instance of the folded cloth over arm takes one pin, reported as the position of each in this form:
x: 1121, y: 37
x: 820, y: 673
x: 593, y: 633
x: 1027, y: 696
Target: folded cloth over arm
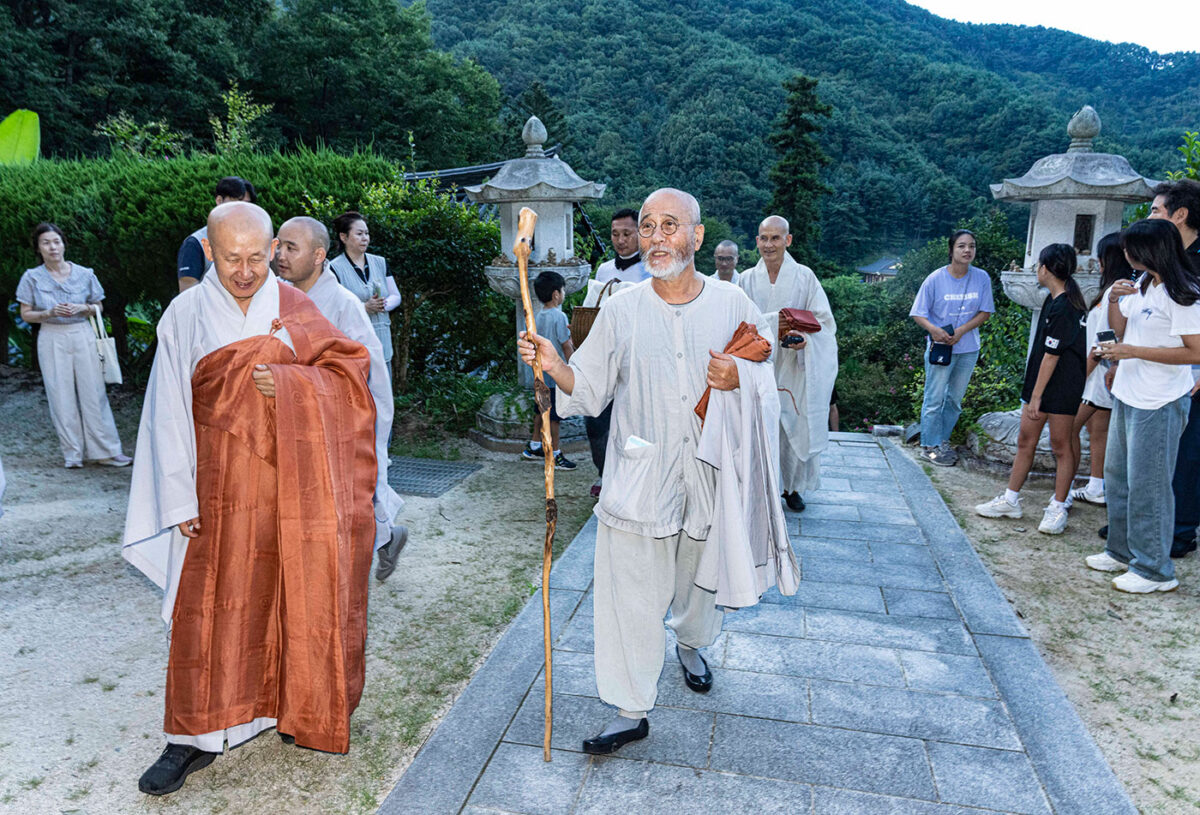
x: 746, y: 343
x: 747, y: 550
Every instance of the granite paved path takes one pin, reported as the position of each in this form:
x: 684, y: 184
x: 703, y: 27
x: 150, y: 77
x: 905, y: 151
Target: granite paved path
x: 897, y: 680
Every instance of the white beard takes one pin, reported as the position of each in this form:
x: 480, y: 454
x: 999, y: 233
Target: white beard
x: 672, y: 270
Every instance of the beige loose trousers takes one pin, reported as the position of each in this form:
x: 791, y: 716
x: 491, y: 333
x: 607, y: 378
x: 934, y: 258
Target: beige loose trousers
x: 75, y: 392
x: 637, y: 581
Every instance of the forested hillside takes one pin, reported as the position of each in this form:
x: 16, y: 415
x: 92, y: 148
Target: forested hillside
x: 927, y: 111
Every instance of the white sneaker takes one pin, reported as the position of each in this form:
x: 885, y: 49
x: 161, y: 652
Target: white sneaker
x: 1054, y: 520
x: 1082, y: 494
x: 999, y: 507
x: 1104, y: 562
x: 1134, y: 583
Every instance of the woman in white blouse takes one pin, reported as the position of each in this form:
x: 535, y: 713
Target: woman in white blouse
x: 61, y: 295
x: 1158, y: 319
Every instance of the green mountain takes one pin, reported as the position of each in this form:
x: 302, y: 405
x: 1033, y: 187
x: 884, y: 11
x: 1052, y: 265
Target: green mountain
x: 927, y: 111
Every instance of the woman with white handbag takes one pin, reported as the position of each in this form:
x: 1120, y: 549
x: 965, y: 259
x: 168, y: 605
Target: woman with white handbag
x: 61, y: 296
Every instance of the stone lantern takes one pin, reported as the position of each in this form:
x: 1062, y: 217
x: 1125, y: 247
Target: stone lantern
x: 1076, y: 198
x: 548, y: 186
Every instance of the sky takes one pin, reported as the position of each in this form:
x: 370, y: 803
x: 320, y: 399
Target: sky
x: 1162, y: 25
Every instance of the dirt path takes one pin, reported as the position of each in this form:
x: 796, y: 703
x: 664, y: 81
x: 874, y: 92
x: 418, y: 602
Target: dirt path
x: 1130, y: 664
x: 84, y: 653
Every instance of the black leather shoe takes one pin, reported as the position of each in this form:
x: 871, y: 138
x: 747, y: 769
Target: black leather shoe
x: 699, y: 683
x: 287, y: 738
x: 175, y: 764
x: 1103, y: 532
x: 794, y: 502
x: 603, y: 745
x: 389, y: 553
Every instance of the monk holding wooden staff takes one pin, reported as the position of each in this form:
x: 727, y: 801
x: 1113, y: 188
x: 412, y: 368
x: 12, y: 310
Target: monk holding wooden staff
x: 251, y: 507
x: 652, y: 351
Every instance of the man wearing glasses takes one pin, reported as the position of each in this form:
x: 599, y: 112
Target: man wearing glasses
x: 725, y: 256
x: 651, y: 352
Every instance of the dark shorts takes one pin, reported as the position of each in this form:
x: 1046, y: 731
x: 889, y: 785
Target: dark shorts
x: 833, y: 400
x: 554, y: 417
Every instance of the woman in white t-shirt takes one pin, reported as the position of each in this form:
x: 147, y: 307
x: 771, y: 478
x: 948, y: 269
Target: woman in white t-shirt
x: 1158, y: 319
x: 1096, y: 409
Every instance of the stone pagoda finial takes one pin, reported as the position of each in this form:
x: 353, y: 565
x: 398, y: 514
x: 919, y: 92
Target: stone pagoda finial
x: 1083, y: 128
x: 534, y: 136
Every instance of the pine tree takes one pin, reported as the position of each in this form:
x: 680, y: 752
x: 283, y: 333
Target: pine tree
x: 795, y: 178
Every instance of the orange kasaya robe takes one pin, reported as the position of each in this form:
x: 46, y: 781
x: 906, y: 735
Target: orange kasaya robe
x: 271, y: 615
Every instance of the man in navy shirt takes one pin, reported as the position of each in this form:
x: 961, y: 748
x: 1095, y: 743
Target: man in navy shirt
x: 190, y: 262
x: 1179, y: 203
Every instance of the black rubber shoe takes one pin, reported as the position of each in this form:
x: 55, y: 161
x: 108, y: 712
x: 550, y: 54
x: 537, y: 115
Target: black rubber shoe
x: 173, y: 767
x: 603, y: 745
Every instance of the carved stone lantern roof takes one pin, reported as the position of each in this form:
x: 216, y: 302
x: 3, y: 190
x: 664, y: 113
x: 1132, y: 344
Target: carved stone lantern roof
x: 1079, y: 172
x: 536, y: 176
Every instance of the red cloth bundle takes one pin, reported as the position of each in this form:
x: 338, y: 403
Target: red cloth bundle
x: 746, y: 343
x: 797, y: 319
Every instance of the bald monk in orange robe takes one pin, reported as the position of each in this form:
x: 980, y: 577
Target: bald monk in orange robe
x: 252, y: 508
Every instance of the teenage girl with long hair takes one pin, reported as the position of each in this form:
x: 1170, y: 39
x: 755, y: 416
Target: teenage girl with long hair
x: 1054, y: 377
x: 1096, y: 408
x: 1158, y: 319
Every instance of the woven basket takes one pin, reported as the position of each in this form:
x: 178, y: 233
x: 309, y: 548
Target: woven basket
x: 583, y: 317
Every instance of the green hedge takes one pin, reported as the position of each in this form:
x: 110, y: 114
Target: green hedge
x: 126, y: 217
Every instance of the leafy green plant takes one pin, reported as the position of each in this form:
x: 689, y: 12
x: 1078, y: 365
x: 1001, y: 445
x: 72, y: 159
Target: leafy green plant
x: 20, y: 137
x: 148, y: 140
x: 236, y: 133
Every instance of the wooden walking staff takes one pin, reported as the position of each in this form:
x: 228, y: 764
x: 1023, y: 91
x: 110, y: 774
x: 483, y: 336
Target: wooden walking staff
x: 526, y: 221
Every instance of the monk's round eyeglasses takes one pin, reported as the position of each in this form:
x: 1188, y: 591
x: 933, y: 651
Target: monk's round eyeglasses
x: 646, y: 228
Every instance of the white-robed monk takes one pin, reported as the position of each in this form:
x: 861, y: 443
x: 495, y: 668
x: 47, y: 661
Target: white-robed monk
x: 251, y: 506
x: 300, y: 260
x: 807, y: 370
x: 653, y: 349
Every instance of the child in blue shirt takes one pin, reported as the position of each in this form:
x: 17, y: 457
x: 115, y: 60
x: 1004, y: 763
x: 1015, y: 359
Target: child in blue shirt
x: 552, y: 324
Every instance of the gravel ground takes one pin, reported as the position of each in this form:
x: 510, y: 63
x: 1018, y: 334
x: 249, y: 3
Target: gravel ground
x: 1129, y: 663
x: 84, y: 651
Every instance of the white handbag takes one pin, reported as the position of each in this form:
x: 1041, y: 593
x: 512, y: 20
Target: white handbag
x: 106, y: 349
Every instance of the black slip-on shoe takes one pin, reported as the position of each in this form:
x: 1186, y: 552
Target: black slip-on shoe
x: 287, y: 738
x: 794, y: 502
x: 173, y: 767
x: 603, y: 745
x: 700, y: 683
x: 1103, y: 532
x: 1181, y: 550
x: 389, y: 553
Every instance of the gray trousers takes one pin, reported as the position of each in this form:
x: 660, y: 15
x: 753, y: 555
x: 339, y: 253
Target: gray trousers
x: 1138, y: 467
x: 637, y: 581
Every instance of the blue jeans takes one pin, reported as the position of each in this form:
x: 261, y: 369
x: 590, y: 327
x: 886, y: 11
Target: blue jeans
x: 1186, y: 483
x: 944, y: 389
x: 1138, y: 466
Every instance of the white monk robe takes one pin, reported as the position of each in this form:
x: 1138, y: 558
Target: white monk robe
x: 808, y: 373
x: 346, y: 313
x: 162, y: 494
x: 650, y: 359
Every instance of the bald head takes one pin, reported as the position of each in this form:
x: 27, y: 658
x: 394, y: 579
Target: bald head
x: 303, y: 245
x: 775, y: 223
x: 240, y: 243
x: 317, y: 236
x: 774, y: 237
x: 675, y: 233
x: 677, y: 200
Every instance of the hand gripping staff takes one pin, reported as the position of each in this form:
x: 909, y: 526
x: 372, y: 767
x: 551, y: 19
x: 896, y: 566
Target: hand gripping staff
x: 526, y: 221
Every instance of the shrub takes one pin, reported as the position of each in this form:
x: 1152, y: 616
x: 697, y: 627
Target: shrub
x: 126, y: 216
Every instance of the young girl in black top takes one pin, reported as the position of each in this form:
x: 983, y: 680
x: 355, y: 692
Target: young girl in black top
x: 1054, y: 378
